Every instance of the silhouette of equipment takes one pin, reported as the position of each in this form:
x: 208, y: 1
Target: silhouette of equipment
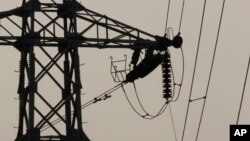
x: 167, y: 76
x: 146, y: 66
x: 177, y: 41
x: 135, y: 57
x: 68, y: 26
x: 151, y: 62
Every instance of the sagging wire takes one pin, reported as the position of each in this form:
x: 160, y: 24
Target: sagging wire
x: 146, y: 115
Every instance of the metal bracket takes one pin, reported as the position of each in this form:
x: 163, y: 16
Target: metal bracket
x: 119, y: 69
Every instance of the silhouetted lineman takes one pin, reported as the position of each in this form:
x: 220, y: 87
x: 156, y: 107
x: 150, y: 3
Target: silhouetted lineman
x: 151, y: 60
x: 61, y: 31
x: 135, y: 57
x: 146, y: 66
x: 177, y: 41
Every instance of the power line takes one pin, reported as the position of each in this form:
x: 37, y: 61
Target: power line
x: 101, y: 96
x: 146, y: 114
x: 169, y: 3
x: 243, y: 93
x: 195, y: 66
x: 131, y: 103
x: 138, y: 99
x: 183, y: 67
x: 182, y: 11
x: 212, y: 66
x: 182, y: 78
x: 182, y: 53
x: 172, y: 119
x: 183, y: 60
x: 140, y: 103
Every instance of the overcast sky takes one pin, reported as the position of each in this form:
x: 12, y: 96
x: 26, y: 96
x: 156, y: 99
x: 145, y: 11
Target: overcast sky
x: 114, y: 120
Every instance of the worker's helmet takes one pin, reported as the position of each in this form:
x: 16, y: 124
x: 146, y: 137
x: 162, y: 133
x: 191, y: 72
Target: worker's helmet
x: 177, y: 41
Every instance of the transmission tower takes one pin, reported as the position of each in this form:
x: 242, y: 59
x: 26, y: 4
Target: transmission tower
x: 67, y: 28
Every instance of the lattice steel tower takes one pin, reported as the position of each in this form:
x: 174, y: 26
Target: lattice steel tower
x: 67, y: 26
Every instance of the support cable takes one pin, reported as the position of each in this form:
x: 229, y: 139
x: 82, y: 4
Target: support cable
x: 243, y: 93
x: 195, y: 67
x: 211, y: 69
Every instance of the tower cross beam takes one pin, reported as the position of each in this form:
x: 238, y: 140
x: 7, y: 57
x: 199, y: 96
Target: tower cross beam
x: 67, y: 26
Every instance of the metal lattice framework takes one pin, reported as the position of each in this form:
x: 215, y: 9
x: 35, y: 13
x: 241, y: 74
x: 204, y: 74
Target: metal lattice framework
x: 66, y: 25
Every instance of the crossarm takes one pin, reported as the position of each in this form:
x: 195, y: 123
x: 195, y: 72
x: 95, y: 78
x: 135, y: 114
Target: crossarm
x: 93, y: 29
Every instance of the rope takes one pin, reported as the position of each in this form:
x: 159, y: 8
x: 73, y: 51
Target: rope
x: 195, y: 66
x: 243, y: 93
x: 211, y: 69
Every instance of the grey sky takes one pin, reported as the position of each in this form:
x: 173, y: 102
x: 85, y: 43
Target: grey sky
x: 113, y: 120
